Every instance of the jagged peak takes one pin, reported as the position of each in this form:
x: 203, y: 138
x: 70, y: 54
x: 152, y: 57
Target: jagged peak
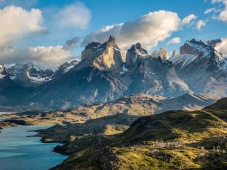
x: 197, y: 42
x: 162, y: 53
x: 214, y: 42
x: 110, y: 43
x: 111, y: 38
x: 137, y: 48
x: 175, y: 53
x: 209, y: 43
x: 92, y: 45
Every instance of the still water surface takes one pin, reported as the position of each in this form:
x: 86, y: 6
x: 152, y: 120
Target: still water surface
x: 19, y: 152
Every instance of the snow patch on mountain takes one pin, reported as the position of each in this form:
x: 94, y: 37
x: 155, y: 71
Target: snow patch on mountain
x: 184, y: 59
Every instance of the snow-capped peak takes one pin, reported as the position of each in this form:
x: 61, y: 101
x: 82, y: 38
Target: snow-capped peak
x: 65, y: 67
x: 29, y: 75
x: 203, y: 51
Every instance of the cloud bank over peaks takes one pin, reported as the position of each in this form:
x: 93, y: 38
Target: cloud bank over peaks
x: 149, y: 30
x: 222, y: 47
x: 48, y: 57
x: 17, y: 22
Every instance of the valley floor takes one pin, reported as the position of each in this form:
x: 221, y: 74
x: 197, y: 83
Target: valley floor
x: 169, y: 140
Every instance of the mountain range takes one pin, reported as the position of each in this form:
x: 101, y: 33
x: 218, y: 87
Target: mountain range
x: 106, y: 73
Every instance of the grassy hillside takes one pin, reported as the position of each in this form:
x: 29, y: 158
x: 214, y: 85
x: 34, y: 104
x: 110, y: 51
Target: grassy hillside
x: 170, y: 140
x: 134, y: 105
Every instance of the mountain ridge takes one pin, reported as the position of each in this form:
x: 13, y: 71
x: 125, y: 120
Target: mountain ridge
x: 200, y: 68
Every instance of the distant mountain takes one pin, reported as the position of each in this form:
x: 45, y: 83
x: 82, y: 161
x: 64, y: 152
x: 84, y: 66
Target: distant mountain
x: 134, y: 55
x: 29, y: 75
x: 155, y: 76
x: 10, y: 92
x: 103, y: 76
x: 62, y: 69
x: 105, y: 57
x: 94, y: 79
x: 78, y: 87
x: 151, y: 74
x: 202, y: 67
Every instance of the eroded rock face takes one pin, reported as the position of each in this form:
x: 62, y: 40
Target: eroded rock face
x: 190, y: 47
x: 155, y: 76
x: 162, y: 53
x: 134, y: 54
x: 106, y: 56
x: 3, y: 72
x: 175, y: 53
x: 202, y: 67
x: 89, y: 50
x: 62, y: 69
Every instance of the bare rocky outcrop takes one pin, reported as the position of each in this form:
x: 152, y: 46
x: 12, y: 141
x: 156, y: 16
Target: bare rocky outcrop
x: 134, y: 54
x: 202, y: 67
x: 190, y: 47
x: 3, y: 72
x: 106, y: 56
x: 163, y: 53
x: 175, y: 54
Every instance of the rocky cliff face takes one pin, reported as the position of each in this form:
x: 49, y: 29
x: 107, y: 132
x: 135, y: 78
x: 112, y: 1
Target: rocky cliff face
x: 78, y: 87
x: 3, y: 72
x: 155, y: 76
x: 162, y: 53
x: 190, y: 47
x: 67, y: 66
x: 106, y: 56
x: 175, y: 53
x: 202, y: 67
x: 102, y: 76
x: 134, y: 55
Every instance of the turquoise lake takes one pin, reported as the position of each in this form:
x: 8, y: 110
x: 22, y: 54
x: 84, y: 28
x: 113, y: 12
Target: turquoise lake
x: 19, y: 152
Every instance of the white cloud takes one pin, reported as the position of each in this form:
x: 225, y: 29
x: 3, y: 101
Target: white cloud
x: 17, y: 22
x: 223, y: 12
x: 175, y: 40
x: 187, y: 20
x: 211, y: 10
x: 50, y: 56
x: 222, y: 47
x: 200, y: 24
x: 76, y: 15
x: 149, y: 30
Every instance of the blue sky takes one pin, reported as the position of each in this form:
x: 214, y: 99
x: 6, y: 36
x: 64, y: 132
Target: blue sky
x: 58, y: 21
